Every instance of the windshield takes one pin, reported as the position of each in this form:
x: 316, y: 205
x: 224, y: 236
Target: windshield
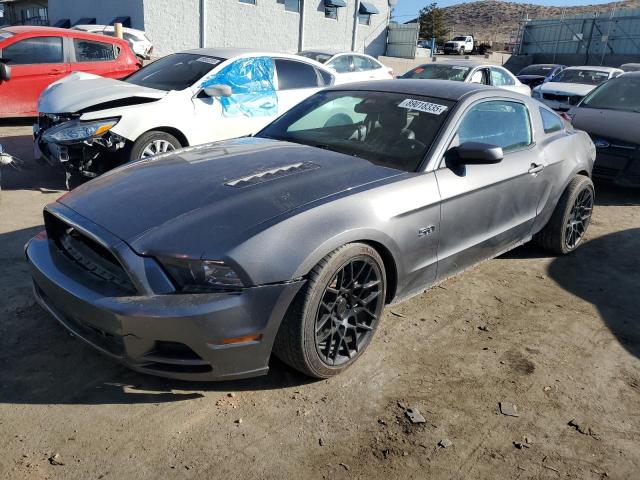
x: 317, y: 56
x: 174, y: 72
x: 438, y: 72
x: 460, y: 39
x: 587, y: 77
x: 542, y: 70
x: 389, y: 129
x: 622, y: 93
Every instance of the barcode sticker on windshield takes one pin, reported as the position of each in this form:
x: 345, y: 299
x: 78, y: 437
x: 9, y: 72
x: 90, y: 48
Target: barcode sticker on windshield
x: 212, y: 61
x: 421, y: 106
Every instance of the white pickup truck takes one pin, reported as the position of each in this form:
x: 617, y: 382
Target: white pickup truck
x: 461, y: 44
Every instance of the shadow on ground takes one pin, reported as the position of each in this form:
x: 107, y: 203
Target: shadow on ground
x: 606, y: 272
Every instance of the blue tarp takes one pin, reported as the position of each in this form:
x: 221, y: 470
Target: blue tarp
x: 252, y: 87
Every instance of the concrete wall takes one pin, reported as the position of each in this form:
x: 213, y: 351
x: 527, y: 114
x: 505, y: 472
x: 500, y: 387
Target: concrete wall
x: 103, y: 11
x: 174, y: 25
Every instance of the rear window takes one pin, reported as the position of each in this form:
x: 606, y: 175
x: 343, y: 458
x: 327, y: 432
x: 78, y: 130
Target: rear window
x: 174, y: 72
x: 317, y: 56
x: 90, y: 51
x: 438, y: 72
x: 541, y: 70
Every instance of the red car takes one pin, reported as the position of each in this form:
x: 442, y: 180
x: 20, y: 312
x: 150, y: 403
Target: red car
x: 39, y: 56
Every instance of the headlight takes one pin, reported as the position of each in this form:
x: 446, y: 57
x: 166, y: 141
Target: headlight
x: 77, y: 131
x: 201, y: 276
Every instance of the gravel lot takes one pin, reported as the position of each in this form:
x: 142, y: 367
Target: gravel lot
x: 559, y: 338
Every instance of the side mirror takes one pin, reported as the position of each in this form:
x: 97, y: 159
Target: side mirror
x: 218, y: 91
x: 5, y: 72
x: 475, y: 153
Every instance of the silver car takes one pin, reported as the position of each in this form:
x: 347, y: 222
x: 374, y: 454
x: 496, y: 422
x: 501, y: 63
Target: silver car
x: 198, y: 263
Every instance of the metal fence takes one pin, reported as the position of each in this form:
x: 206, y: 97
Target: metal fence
x: 402, y: 40
x: 593, y: 36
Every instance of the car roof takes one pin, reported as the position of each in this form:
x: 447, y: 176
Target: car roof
x: 631, y: 74
x: 228, y: 53
x: 461, y: 63
x: 101, y: 28
x: 444, y: 89
x: 595, y: 68
x: 543, y: 65
x: 18, y: 29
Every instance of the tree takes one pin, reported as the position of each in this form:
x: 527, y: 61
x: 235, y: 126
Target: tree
x: 432, y: 24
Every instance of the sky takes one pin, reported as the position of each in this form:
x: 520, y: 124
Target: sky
x: 409, y: 8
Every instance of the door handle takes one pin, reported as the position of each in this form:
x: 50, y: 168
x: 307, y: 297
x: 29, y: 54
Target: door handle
x: 536, y: 168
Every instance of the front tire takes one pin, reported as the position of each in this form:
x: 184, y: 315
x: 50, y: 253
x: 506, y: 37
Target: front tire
x: 333, y: 319
x: 568, y: 224
x: 153, y: 143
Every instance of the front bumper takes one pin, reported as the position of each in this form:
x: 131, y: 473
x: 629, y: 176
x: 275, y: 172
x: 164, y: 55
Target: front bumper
x: 617, y: 166
x: 170, y: 335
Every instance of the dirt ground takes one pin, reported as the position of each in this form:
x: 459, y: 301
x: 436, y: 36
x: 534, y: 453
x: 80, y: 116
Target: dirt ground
x: 560, y: 339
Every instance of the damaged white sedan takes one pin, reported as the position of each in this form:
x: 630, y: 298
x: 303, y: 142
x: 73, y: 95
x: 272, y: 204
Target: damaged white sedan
x: 91, y: 124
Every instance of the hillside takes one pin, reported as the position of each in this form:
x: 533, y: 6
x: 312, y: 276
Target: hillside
x: 493, y: 20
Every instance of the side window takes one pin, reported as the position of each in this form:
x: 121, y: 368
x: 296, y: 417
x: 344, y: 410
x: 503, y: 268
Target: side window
x: 292, y: 74
x: 550, y: 121
x: 341, y: 64
x: 501, y: 123
x: 35, y: 50
x: 480, y: 76
x: 500, y: 78
x: 327, y: 78
x: 361, y: 64
x: 90, y: 51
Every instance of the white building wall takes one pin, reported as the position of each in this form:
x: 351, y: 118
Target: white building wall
x: 104, y: 11
x: 174, y: 25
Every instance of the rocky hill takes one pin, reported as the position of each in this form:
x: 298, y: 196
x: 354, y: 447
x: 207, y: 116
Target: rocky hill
x: 494, y: 20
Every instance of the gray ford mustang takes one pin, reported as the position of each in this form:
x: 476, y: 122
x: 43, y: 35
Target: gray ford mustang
x: 197, y: 264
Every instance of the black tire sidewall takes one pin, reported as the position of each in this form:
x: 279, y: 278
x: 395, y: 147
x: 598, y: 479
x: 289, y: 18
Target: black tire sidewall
x: 315, y: 293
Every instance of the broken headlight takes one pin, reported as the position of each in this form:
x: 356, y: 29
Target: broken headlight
x: 201, y: 276
x: 77, y: 131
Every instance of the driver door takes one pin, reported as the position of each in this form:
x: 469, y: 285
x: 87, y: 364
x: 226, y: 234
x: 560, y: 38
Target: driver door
x: 486, y: 209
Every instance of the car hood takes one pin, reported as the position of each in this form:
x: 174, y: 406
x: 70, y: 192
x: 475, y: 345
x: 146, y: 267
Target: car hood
x: 566, y: 88
x: 81, y: 91
x: 530, y: 78
x: 213, y: 196
x: 608, y: 124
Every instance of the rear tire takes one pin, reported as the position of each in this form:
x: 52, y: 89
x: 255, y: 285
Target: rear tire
x: 568, y: 225
x: 153, y: 143
x: 332, y: 320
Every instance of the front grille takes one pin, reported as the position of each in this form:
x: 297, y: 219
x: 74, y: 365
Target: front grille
x: 88, y: 254
x: 570, y: 99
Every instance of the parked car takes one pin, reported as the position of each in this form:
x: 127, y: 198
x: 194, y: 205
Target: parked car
x: 350, y: 66
x: 138, y: 40
x: 569, y: 86
x: 630, y: 67
x: 611, y: 116
x: 196, y: 264
x: 39, y: 56
x: 461, y: 44
x: 91, y: 124
x: 537, y: 74
x: 469, y: 72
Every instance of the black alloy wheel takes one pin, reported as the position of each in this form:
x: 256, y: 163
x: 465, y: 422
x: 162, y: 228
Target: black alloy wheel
x: 347, y: 313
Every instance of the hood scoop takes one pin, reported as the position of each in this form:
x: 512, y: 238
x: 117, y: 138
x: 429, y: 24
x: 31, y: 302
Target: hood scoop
x: 272, y: 174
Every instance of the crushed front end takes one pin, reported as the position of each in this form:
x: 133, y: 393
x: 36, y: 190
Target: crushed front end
x: 86, y: 148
